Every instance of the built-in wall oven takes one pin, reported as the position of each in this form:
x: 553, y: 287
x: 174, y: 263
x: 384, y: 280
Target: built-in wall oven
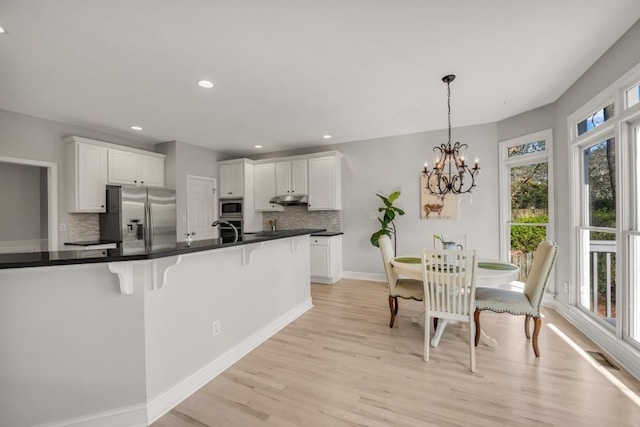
x: 227, y: 231
x: 230, y: 208
x: 231, y: 211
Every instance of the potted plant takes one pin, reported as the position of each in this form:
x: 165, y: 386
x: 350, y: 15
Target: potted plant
x: 387, y: 222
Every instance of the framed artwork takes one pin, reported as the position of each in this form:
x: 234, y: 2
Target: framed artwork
x: 436, y: 207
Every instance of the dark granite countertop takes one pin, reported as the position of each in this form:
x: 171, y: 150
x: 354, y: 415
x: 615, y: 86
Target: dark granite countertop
x: 327, y: 233
x: 41, y: 259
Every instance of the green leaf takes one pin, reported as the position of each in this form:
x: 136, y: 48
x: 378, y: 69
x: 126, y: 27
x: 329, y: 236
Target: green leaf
x: 394, y: 196
x: 400, y: 211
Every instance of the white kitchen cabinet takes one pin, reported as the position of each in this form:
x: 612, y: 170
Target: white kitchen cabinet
x: 325, y: 192
x: 291, y: 177
x: 86, y: 176
x: 130, y: 168
x: 231, y: 180
x: 326, y: 259
x: 264, y: 187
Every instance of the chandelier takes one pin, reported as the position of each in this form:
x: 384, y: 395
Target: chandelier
x: 450, y: 174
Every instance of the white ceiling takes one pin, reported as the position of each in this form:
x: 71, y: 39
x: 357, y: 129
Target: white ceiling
x: 289, y: 71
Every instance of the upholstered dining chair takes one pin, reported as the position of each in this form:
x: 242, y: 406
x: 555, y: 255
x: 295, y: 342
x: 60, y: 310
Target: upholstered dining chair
x: 457, y: 241
x: 525, y: 303
x: 449, y: 278
x: 398, y: 288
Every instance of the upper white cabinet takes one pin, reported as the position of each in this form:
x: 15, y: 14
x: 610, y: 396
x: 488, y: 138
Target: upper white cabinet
x: 91, y: 165
x: 264, y: 176
x: 86, y: 176
x: 291, y: 177
x: 325, y: 184
x: 131, y: 168
x: 231, y: 180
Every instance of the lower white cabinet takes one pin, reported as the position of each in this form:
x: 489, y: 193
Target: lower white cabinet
x: 326, y: 259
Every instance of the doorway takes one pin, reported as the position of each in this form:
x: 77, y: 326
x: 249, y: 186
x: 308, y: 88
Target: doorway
x: 47, y: 176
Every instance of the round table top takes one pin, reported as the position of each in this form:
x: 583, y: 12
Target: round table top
x: 489, y: 273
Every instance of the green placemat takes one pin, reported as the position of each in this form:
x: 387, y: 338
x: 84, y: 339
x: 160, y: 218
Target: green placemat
x: 409, y: 259
x: 496, y: 266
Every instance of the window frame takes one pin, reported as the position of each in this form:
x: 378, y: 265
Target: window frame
x: 619, y: 127
x: 504, y: 179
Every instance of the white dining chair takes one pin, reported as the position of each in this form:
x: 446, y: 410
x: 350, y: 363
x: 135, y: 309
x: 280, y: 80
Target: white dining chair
x: 452, y: 241
x: 449, y: 279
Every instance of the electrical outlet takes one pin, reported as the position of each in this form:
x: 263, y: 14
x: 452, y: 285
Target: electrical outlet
x: 62, y: 226
x: 566, y: 286
x: 372, y: 215
x: 215, y: 328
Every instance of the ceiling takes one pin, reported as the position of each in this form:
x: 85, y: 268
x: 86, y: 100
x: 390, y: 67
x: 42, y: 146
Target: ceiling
x: 287, y: 72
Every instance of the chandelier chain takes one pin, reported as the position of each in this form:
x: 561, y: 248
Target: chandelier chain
x: 449, y: 108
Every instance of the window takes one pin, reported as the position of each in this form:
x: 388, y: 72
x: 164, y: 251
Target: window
x: 526, y: 211
x: 605, y: 189
x: 529, y: 147
x: 598, y: 247
x: 595, y: 119
x: 633, y: 96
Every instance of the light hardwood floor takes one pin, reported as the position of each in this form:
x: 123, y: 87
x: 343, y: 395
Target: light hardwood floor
x: 340, y: 365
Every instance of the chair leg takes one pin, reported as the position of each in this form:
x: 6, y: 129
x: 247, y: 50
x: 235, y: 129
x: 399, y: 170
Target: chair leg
x: 393, y: 311
x: 476, y: 321
x: 537, y: 324
x: 396, y: 310
x: 526, y: 326
x: 472, y: 345
x: 427, y: 336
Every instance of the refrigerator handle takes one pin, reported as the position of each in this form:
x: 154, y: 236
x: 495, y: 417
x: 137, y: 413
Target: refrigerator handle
x: 149, y: 227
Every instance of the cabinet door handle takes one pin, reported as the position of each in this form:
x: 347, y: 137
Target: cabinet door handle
x: 141, y: 182
x: 102, y: 206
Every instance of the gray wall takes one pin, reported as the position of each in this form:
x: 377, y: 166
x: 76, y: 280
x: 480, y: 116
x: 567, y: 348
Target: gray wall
x: 182, y: 160
x: 394, y: 163
x: 619, y: 59
x: 28, y: 137
x: 21, y: 203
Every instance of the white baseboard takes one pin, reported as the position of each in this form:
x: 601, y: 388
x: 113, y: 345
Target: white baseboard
x: 166, y: 401
x: 623, y: 354
x: 128, y: 416
x: 374, y: 277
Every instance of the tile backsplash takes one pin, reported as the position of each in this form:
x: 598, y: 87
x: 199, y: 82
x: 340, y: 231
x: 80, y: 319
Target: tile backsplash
x: 83, y: 227
x: 300, y: 217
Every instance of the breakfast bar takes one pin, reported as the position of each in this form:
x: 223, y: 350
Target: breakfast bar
x: 120, y: 339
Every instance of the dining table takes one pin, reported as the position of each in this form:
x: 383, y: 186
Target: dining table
x: 489, y: 273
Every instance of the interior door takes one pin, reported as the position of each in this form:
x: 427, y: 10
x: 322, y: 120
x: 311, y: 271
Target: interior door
x: 201, y: 207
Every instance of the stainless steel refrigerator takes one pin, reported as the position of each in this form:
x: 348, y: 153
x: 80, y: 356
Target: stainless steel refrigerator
x: 141, y: 219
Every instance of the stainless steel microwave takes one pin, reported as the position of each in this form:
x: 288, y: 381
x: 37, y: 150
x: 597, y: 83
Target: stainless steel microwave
x: 230, y: 208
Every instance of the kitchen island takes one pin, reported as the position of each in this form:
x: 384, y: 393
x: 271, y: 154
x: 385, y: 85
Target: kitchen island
x: 120, y: 339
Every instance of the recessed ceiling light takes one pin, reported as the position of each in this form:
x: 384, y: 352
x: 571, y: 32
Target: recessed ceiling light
x: 327, y: 137
x: 138, y: 128
x: 2, y: 31
x: 205, y: 84
x: 257, y: 146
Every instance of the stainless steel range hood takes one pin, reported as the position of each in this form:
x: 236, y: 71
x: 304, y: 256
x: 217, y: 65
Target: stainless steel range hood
x: 289, y: 200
